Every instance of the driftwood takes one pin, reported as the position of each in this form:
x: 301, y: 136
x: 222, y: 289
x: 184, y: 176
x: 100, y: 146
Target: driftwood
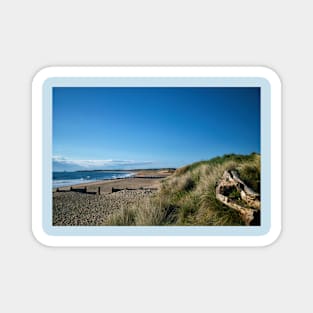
x: 250, y: 204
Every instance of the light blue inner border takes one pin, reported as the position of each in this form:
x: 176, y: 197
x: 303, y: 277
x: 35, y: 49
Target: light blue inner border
x: 157, y: 230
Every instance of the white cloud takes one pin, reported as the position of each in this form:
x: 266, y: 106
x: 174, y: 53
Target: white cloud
x: 61, y: 163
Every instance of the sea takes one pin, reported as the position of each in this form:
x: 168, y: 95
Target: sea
x: 62, y: 179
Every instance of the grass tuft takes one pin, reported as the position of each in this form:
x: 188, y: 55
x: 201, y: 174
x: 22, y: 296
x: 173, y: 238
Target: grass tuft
x: 188, y: 196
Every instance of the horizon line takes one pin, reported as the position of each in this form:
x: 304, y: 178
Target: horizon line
x: 119, y: 170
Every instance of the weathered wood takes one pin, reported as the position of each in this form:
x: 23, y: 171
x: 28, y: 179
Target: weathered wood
x: 250, y: 197
x: 116, y: 189
x: 149, y: 177
x: 140, y: 188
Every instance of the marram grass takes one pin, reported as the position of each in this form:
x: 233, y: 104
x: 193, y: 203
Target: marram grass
x: 188, y: 196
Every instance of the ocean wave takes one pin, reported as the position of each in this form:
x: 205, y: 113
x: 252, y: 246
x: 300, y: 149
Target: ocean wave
x: 69, y: 182
x: 75, y: 178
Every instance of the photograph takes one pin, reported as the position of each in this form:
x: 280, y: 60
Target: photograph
x: 156, y: 156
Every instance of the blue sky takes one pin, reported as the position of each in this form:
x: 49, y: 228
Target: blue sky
x: 104, y: 128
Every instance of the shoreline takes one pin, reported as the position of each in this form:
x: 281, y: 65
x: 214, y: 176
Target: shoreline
x: 91, y: 204
x: 90, y: 183
x: 145, y: 177
x: 107, y: 185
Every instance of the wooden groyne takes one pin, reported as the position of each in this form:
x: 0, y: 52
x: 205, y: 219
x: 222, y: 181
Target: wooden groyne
x: 99, y: 191
x: 149, y: 177
x: 141, y: 188
x: 81, y: 190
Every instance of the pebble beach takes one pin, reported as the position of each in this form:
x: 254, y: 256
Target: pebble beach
x: 82, y: 205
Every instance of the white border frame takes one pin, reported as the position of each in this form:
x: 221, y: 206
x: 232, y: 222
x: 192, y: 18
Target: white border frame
x: 156, y: 241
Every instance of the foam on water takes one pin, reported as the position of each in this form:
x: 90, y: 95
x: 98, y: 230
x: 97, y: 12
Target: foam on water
x: 62, y: 179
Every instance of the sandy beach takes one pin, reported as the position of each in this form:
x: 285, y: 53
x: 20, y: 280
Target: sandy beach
x: 83, y: 205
